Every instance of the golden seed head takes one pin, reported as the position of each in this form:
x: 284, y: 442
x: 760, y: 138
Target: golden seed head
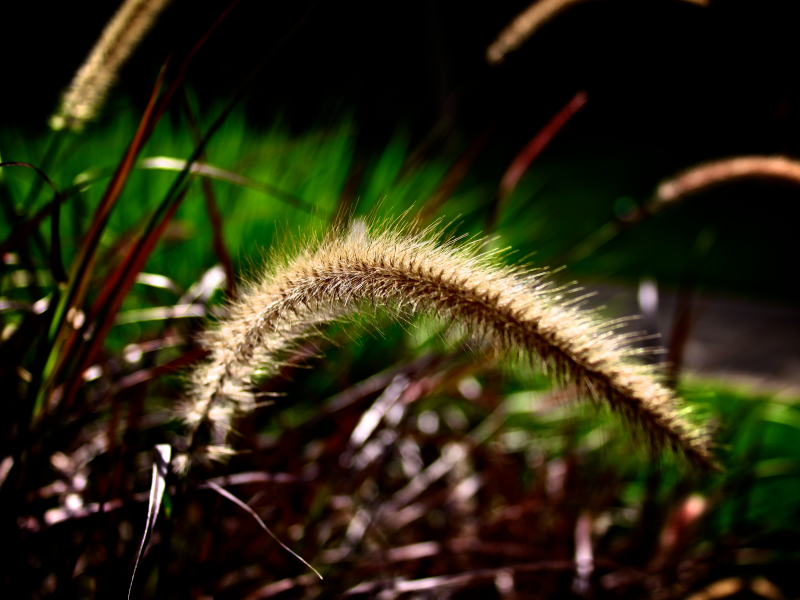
x: 405, y: 272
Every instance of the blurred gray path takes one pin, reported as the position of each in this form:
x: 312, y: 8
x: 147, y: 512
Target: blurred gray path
x: 736, y: 341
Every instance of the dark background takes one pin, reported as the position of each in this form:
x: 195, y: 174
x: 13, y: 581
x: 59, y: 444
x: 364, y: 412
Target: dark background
x: 696, y: 82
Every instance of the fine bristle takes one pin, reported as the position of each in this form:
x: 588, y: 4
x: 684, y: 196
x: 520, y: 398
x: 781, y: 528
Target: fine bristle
x: 513, y: 310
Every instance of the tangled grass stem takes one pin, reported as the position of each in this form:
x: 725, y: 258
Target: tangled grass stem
x: 515, y: 311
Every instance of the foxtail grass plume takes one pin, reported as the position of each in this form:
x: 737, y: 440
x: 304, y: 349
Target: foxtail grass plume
x: 694, y: 180
x: 525, y: 24
x: 84, y: 96
x: 702, y: 177
x: 405, y: 272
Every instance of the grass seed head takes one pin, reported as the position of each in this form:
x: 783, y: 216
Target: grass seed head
x: 398, y: 269
x: 87, y: 91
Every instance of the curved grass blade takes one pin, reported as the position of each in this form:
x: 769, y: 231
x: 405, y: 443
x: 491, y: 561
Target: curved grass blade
x: 157, y: 487
x: 167, y: 163
x: 539, y: 142
x: 530, y: 152
x: 223, y: 492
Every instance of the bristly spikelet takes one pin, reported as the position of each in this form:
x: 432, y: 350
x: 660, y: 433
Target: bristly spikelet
x: 87, y: 91
x: 726, y: 170
x: 526, y: 23
x: 400, y: 270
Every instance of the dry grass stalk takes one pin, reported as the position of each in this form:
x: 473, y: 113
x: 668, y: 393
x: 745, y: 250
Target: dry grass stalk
x: 86, y: 93
x: 528, y: 21
x: 702, y: 177
x: 515, y: 311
